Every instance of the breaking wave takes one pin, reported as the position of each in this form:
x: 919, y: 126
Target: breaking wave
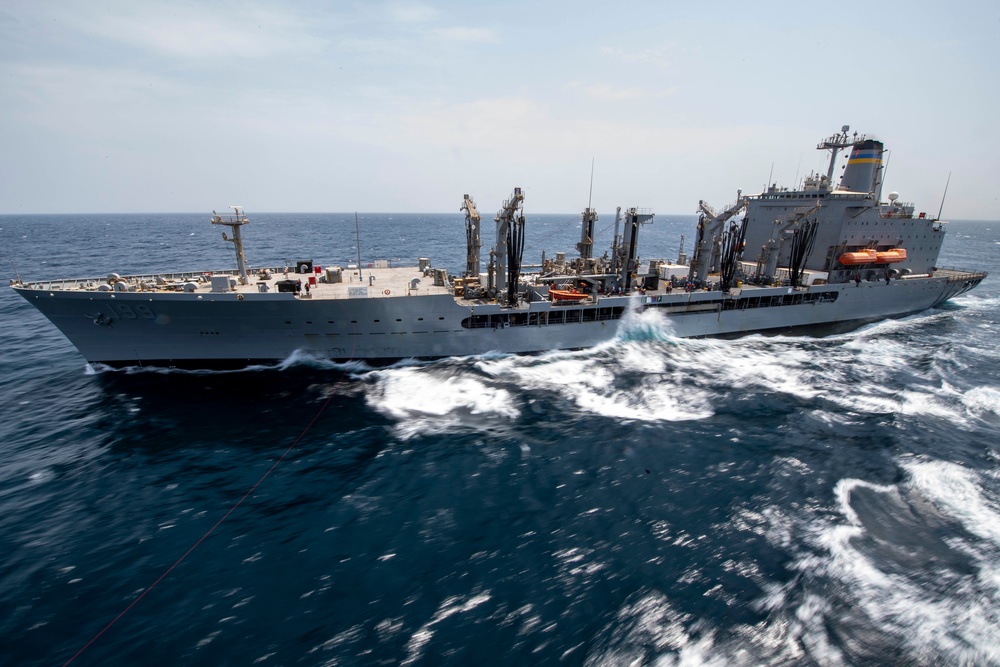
x: 647, y: 374
x: 907, y: 570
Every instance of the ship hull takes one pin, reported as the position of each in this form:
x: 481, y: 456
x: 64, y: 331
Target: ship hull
x: 235, y: 330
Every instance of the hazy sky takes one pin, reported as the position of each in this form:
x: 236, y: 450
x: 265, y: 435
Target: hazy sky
x: 119, y: 106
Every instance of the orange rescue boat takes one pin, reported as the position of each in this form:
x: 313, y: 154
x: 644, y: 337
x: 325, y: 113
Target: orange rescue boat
x: 891, y: 255
x: 872, y: 256
x: 567, y: 295
x: 858, y: 257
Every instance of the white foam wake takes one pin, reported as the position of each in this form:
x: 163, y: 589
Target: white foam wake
x: 435, y: 399
x: 909, y: 570
x: 917, y: 561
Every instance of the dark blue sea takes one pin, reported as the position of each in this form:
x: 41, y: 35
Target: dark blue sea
x: 652, y: 501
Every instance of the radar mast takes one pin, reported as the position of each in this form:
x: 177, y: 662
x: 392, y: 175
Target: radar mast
x: 235, y: 222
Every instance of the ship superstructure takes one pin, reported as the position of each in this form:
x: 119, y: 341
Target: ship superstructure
x: 851, y: 232
x: 815, y: 256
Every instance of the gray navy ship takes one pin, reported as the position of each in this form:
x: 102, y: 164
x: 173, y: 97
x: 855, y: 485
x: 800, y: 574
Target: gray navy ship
x: 818, y: 257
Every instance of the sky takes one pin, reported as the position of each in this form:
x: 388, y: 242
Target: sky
x: 110, y: 106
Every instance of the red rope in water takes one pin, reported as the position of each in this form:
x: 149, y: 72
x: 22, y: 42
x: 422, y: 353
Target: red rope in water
x: 217, y: 523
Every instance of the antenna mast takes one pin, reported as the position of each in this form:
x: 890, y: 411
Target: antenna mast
x: 235, y: 222
x: 944, y: 195
x: 357, y: 239
x: 589, y: 218
x: 834, y: 144
x: 590, y: 195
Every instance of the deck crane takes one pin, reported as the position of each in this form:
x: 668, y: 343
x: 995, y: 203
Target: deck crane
x: 586, y: 244
x: 505, y: 257
x: 627, y: 246
x: 708, y: 246
x: 472, y: 240
x: 783, y: 231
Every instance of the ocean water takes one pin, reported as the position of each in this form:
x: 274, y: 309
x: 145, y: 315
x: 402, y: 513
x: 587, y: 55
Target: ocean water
x: 766, y: 500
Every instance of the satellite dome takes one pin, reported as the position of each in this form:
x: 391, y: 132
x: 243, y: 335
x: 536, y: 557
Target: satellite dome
x: 893, y: 196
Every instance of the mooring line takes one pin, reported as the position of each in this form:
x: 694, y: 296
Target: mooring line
x: 219, y: 522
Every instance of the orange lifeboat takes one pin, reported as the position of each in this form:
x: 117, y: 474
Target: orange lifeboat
x: 858, y: 257
x: 567, y: 295
x: 891, y: 255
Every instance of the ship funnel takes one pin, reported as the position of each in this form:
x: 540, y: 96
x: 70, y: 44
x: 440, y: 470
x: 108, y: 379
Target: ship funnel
x: 864, y: 167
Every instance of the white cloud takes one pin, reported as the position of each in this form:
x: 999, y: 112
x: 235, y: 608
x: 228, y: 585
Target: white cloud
x: 417, y: 92
x: 464, y: 34
x: 202, y: 31
x: 607, y: 93
x: 95, y: 102
x: 648, y: 57
x: 535, y: 131
x: 411, y: 12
